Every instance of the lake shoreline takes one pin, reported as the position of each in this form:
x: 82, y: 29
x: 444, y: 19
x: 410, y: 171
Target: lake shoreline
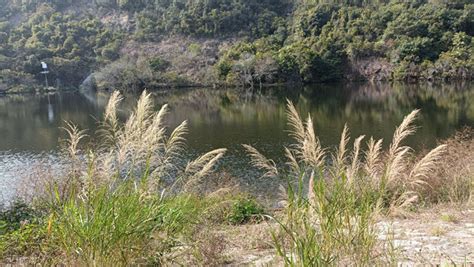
x: 213, y: 86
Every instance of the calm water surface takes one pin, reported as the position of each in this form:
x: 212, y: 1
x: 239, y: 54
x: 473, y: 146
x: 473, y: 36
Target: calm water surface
x: 30, y: 124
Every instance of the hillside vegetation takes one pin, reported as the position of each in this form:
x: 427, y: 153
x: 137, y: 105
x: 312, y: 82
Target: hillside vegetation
x: 133, y: 44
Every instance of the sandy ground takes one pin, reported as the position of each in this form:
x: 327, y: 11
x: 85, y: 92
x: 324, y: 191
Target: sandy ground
x: 434, y: 237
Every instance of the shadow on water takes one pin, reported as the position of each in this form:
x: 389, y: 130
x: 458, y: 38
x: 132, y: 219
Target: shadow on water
x: 29, y: 124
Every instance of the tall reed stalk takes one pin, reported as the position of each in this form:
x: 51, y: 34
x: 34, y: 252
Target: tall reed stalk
x: 333, y: 199
x: 114, y: 207
x: 141, y: 145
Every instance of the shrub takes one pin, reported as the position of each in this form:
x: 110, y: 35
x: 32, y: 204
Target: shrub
x: 245, y: 210
x: 13, y: 216
x: 10, y: 79
x: 127, y: 74
x: 195, y: 49
x: 158, y: 64
x: 110, y: 53
x: 337, y: 224
x: 223, y: 68
x: 173, y: 78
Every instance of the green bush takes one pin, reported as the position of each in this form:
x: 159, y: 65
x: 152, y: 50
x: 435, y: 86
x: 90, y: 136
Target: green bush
x: 13, y: 216
x: 158, y: 64
x: 245, y: 210
x: 345, y: 230
x: 223, y: 68
x: 121, y: 213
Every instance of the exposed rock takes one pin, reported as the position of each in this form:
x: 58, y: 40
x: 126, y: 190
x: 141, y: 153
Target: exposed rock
x: 373, y: 69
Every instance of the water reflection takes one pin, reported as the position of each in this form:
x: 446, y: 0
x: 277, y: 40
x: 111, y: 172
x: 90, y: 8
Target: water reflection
x: 29, y: 124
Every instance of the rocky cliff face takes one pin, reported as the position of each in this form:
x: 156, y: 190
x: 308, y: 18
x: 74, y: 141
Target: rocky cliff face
x: 372, y: 69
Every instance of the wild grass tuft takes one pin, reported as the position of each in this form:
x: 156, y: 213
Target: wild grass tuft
x: 108, y: 227
x: 141, y: 145
x: 125, y: 196
x: 334, y: 199
x: 260, y: 161
x: 452, y: 180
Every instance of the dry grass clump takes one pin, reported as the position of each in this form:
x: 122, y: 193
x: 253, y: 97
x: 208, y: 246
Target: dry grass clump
x: 453, y: 180
x: 137, y: 155
x: 140, y: 147
x: 392, y: 173
x: 124, y: 197
x: 333, y: 199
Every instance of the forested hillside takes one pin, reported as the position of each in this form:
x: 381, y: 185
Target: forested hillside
x: 138, y: 43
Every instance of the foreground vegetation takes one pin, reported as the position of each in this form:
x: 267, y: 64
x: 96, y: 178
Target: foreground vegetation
x: 334, y: 220
x: 132, y: 198
x: 236, y: 42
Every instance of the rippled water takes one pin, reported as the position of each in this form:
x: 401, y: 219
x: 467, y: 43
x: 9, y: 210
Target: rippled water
x: 30, y: 124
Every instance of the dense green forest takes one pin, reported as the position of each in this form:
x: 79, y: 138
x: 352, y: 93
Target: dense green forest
x: 254, y: 42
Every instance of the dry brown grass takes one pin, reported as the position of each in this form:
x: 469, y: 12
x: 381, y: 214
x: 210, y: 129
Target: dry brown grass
x: 393, y: 173
x: 131, y: 185
x: 334, y: 222
x: 142, y: 146
x: 453, y: 179
x: 261, y: 162
x: 141, y: 149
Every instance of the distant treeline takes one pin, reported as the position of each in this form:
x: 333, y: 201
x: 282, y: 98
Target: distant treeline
x: 277, y: 40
